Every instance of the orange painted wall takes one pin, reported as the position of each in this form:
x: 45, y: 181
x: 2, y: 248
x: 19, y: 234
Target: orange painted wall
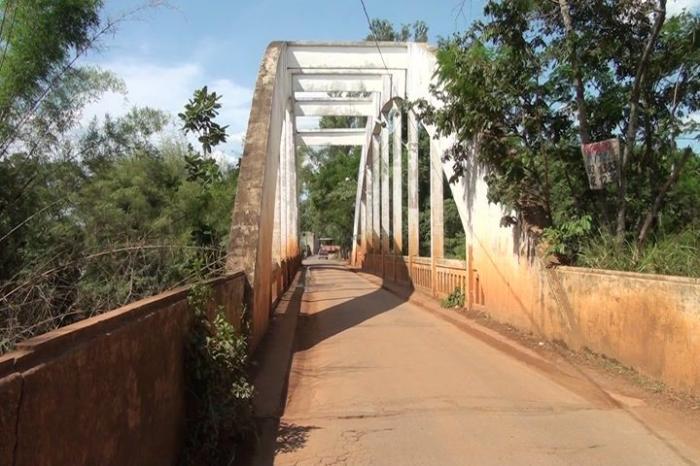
x: 108, y: 390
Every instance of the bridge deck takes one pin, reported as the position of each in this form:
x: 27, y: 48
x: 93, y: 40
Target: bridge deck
x: 378, y: 380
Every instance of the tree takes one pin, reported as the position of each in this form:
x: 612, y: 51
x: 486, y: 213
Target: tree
x: 510, y: 86
x: 40, y: 41
x: 384, y: 30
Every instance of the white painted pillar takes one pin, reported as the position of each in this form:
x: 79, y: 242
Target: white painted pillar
x: 369, y: 203
x: 437, y: 230
x: 376, y: 194
x: 363, y: 225
x: 284, y: 191
x: 386, y: 183
x: 292, y: 200
x: 397, y: 182
x: 412, y: 186
x: 277, y: 229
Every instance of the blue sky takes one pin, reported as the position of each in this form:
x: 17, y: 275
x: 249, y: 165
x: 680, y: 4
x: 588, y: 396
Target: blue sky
x: 164, y: 53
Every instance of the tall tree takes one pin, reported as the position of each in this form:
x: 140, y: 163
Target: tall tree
x: 510, y: 84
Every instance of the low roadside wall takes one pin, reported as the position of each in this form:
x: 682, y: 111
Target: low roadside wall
x: 109, y: 390
x: 648, y: 322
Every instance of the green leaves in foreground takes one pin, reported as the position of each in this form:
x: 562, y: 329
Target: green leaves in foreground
x: 220, y: 411
x: 198, y: 118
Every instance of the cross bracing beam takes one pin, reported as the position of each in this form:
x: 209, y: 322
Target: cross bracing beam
x: 327, y: 82
x: 347, y: 55
x: 350, y: 80
x: 331, y: 137
x: 340, y: 106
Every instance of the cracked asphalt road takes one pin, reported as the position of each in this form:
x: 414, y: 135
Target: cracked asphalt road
x: 377, y: 380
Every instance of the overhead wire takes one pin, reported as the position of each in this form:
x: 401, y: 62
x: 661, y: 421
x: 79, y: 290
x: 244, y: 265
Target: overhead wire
x: 376, y: 42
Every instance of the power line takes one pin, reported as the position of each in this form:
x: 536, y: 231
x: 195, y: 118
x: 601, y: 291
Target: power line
x: 376, y: 42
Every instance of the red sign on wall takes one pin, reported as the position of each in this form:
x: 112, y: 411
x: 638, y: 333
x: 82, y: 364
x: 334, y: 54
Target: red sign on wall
x: 601, y: 160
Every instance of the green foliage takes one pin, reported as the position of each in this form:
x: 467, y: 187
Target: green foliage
x: 384, y: 30
x: 41, y: 88
x: 330, y: 184
x: 672, y: 254
x: 125, y: 221
x: 93, y: 220
x: 565, y: 239
x: 37, y: 40
x: 220, y: 411
x: 198, y: 117
x: 454, y: 299
x: 508, y: 86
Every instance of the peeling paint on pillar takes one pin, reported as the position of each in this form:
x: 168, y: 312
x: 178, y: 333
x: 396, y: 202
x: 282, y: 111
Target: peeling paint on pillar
x: 252, y: 224
x: 369, y: 196
x: 376, y: 193
x: 437, y: 229
x: 386, y: 184
x: 397, y: 229
x: 412, y: 186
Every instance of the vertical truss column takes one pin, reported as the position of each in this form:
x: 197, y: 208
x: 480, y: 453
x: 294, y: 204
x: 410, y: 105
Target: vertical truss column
x: 369, y: 203
x: 386, y: 183
x: 277, y: 229
x: 283, y: 177
x: 397, y: 180
x: 437, y: 230
x: 292, y: 204
x: 412, y: 127
x: 363, y: 224
x: 376, y: 198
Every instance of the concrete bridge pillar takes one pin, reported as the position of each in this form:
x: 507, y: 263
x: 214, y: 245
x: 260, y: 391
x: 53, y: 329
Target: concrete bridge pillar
x: 376, y: 194
x: 437, y: 229
x: 412, y: 186
x: 369, y: 201
x: 397, y: 175
x: 386, y: 219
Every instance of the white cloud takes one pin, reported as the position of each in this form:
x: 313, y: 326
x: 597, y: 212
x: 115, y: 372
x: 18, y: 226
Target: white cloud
x: 168, y: 88
x: 675, y: 7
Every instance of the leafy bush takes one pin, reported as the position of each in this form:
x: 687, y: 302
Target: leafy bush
x: 673, y: 254
x: 454, y: 299
x: 564, y: 240
x: 220, y: 411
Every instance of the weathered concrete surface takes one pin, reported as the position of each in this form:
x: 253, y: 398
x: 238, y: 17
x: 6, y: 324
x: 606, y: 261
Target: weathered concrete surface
x: 377, y: 380
x: 252, y: 223
x: 109, y: 390
x: 650, y: 322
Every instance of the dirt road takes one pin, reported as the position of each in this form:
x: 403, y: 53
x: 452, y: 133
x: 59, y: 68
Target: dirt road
x: 377, y: 380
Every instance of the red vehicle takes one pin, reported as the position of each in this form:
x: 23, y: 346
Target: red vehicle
x: 326, y: 248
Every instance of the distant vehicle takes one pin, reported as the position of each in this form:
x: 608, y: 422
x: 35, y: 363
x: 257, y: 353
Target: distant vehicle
x: 327, y: 249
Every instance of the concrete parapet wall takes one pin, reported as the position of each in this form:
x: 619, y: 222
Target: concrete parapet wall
x: 648, y: 322
x: 109, y: 390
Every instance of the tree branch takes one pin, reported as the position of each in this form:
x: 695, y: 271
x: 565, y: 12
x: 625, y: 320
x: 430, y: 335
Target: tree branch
x: 631, y: 133
x: 584, y: 132
x: 656, y: 206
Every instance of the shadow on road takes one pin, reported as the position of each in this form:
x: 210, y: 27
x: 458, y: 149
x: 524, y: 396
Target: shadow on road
x: 315, y: 327
x: 291, y: 437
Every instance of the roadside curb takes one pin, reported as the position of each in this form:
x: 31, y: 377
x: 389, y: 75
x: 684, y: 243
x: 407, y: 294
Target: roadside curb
x: 273, y: 361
